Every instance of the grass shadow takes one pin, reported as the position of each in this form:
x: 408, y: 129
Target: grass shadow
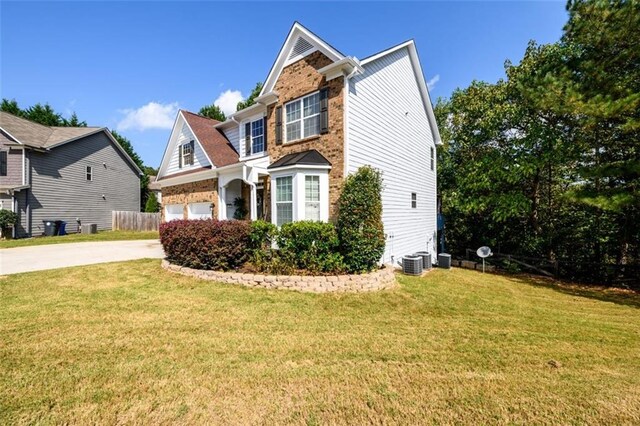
x: 605, y: 294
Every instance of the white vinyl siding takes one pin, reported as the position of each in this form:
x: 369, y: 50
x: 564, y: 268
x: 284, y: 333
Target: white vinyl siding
x: 199, y: 211
x: 199, y: 157
x: 173, y: 211
x: 388, y: 129
x: 233, y: 134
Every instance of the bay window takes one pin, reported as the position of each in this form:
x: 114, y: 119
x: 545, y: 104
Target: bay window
x: 312, y: 197
x: 302, y: 117
x: 284, y: 200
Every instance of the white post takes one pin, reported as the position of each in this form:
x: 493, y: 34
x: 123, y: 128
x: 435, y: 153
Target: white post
x: 253, y: 205
x: 222, y: 204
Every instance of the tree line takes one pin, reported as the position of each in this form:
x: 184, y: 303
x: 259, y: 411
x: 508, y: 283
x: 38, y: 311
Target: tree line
x: 546, y: 162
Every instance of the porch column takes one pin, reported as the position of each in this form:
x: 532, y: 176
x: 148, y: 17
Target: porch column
x: 222, y: 204
x: 253, y: 205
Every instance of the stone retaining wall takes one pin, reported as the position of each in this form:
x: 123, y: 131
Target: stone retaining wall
x: 377, y: 280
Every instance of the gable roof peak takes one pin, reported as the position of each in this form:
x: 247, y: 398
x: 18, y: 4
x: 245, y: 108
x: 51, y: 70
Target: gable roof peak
x: 299, y: 43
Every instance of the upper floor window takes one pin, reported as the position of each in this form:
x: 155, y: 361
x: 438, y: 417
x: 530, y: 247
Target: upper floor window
x: 3, y: 163
x: 89, y: 171
x: 187, y: 154
x: 257, y: 136
x: 414, y: 200
x: 302, y: 117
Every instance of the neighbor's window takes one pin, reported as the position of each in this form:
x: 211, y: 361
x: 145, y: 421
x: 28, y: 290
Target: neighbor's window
x: 432, y: 159
x: 284, y: 200
x: 257, y: 136
x: 303, y: 117
x: 3, y: 163
x: 187, y: 154
x: 89, y: 173
x: 312, y: 197
x: 414, y: 200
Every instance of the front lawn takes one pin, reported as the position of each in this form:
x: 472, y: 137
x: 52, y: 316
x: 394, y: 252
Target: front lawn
x: 132, y: 343
x: 77, y: 238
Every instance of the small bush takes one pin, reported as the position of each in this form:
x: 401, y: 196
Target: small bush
x: 152, y: 205
x: 309, y: 245
x: 359, y: 223
x: 206, y: 244
x: 262, y: 234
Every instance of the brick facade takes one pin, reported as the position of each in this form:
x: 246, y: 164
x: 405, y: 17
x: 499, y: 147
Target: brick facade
x: 192, y: 192
x: 296, y: 80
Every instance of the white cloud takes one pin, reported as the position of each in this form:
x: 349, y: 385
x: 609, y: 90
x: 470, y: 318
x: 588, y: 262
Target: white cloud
x: 228, y: 100
x: 431, y: 84
x: 153, y: 115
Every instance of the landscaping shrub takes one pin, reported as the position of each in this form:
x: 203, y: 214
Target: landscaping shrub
x: 262, y: 234
x: 359, y: 224
x: 312, y: 246
x: 7, y: 220
x: 206, y: 244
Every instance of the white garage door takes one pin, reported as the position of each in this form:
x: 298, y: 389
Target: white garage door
x: 173, y: 211
x: 199, y: 211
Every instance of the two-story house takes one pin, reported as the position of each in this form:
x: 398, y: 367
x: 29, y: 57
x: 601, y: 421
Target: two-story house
x: 73, y: 174
x: 320, y: 116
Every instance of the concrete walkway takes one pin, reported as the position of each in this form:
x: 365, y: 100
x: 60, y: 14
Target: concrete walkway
x: 52, y: 256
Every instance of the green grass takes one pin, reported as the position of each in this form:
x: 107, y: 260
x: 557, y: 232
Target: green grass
x: 132, y: 343
x: 77, y: 238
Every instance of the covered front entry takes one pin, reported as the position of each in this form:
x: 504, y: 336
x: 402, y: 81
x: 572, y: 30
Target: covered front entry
x: 242, y: 194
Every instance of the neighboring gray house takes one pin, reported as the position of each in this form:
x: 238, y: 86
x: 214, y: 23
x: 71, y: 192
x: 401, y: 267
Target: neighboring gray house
x: 74, y: 174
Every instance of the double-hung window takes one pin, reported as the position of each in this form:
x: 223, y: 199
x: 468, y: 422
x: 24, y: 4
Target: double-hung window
x: 312, y: 197
x: 414, y: 200
x: 187, y: 154
x: 284, y: 200
x: 257, y: 136
x: 89, y: 171
x: 303, y: 117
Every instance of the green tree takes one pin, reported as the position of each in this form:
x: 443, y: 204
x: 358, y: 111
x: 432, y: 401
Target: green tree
x: 11, y: 106
x: 152, y: 205
x: 359, y: 223
x: 212, y: 111
x: 251, y: 99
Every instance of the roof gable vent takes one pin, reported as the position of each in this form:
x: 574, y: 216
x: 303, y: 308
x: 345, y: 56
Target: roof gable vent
x: 301, y: 47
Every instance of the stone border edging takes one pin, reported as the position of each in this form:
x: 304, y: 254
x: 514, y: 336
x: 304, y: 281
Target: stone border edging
x: 378, y: 280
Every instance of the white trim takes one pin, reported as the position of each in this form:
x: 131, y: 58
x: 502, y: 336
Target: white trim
x: 296, y: 31
x: 345, y: 121
x: 422, y: 84
x: 187, y: 178
x: 12, y: 137
x: 163, y: 166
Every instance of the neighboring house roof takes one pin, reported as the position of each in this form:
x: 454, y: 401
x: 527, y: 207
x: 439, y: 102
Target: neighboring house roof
x: 304, y: 158
x: 215, y: 144
x: 35, y: 135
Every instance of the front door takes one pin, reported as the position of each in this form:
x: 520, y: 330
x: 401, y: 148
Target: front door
x: 260, y: 203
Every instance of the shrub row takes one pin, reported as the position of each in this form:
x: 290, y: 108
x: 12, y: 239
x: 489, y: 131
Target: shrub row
x: 206, y: 244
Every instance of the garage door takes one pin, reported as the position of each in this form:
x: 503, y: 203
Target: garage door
x: 199, y: 211
x: 173, y: 211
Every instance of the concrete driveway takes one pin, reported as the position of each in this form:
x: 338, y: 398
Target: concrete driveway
x: 52, y: 256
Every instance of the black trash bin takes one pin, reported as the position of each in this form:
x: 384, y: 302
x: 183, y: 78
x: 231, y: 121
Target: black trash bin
x: 61, y: 227
x: 50, y: 228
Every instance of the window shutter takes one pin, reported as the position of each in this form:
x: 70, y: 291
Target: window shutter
x: 279, y: 125
x: 264, y: 132
x: 180, y: 156
x: 324, y: 110
x: 192, y: 157
x: 247, y: 139
x: 3, y: 163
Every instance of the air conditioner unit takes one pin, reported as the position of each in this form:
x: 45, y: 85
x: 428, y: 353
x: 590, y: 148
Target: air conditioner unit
x: 412, y: 265
x: 426, y: 259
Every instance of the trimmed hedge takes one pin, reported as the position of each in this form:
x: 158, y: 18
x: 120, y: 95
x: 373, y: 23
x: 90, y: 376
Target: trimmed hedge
x: 312, y: 246
x: 206, y: 244
x: 359, y: 224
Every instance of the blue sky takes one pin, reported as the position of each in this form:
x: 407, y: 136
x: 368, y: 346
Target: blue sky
x: 129, y: 65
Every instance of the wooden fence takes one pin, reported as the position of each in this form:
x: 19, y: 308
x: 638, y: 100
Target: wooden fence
x: 134, y: 221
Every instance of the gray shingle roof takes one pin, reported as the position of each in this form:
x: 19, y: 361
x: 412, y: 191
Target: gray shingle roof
x: 38, y: 136
x: 308, y: 158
